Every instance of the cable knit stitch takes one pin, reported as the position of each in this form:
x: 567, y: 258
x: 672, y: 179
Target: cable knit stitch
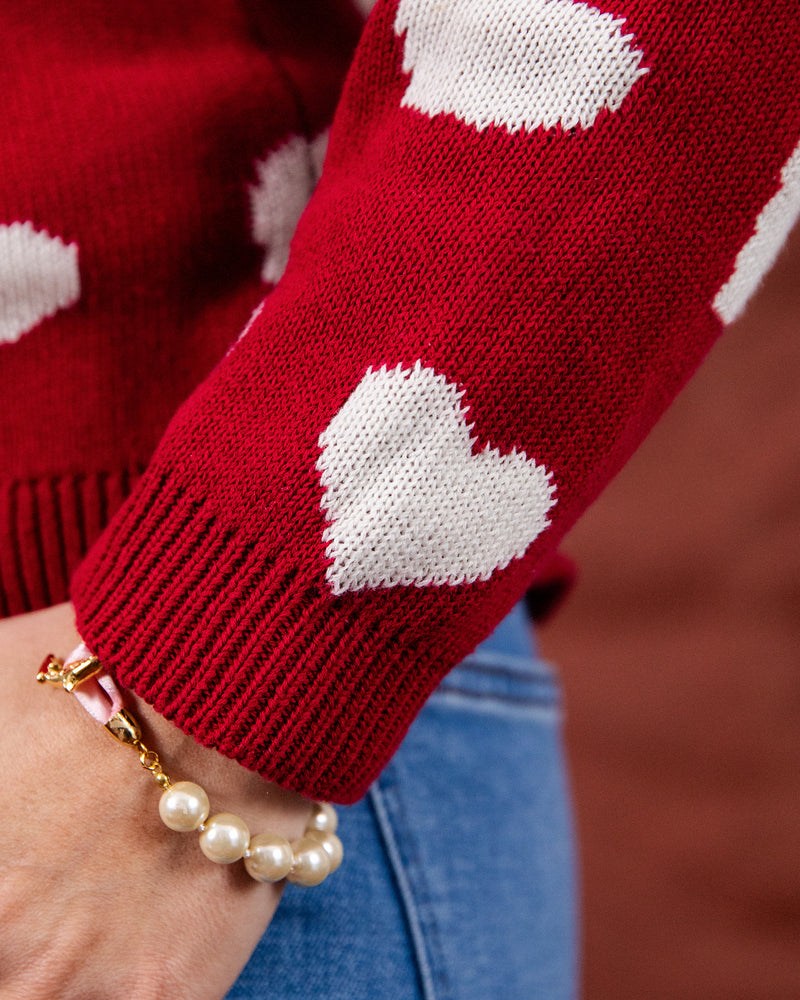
x: 508, y: 268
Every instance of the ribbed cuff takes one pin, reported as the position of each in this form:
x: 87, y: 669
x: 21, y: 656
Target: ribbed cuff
x: 246, y: 651
x: 46, y: 526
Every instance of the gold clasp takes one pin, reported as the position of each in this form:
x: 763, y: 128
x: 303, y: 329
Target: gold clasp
x: 124, y: 728
x: 53, y: 671
x: 80, y: 672
x: 122, y: 725
x: 50, y: 671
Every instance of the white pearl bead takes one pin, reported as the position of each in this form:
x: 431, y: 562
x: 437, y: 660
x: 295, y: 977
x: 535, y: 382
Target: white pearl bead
x: 184, y: 806
x: 311, y: 862
x: 225, y: 838
x: 332, y: 845
x: 269, y: 857
x: 323, y: 818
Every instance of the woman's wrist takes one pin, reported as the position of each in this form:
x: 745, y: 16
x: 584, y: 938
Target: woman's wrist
x: 88, y: 859
x: 229, y: 785
x: 300, y: 843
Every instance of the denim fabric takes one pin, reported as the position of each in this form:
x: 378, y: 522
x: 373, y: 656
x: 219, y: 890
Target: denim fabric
x: 458, y: 879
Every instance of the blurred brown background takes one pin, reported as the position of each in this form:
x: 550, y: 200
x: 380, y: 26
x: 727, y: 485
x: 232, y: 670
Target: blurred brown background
x: 680, y: 652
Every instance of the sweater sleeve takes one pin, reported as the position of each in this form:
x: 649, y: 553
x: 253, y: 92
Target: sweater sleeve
x: 533, y: 221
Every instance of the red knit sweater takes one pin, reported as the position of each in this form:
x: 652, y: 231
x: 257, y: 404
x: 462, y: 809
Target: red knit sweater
x: 534, y: 218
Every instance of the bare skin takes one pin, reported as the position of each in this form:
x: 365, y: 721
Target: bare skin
x: 97, y: 898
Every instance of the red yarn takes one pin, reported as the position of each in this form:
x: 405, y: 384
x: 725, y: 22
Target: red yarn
x: 561, y: 279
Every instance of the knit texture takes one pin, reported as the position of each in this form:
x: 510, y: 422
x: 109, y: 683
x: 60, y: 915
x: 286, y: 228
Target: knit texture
x: 522, y: 64
x: 513, y: 259
x: 40, y: 276
x: 133, y: 238
x: 404, y: 489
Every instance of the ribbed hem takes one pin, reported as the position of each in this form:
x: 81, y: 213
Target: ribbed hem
x: 47, y: 524
x: 243, y: 651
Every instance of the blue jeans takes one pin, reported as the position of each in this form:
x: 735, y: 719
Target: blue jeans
x: 458, y: 879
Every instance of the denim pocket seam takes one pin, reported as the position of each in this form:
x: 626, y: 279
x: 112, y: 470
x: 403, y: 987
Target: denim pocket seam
x: 497, y: 704
x: 503, y: 680
x: 528, y: 669
x: 409, y: 873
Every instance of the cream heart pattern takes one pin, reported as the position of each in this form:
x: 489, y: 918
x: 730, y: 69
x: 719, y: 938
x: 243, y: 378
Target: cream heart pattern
x: 38, y: 276
x: 773, y: 225
x: 407, y: 499
x: 520, y: 64
x: 286, y: 181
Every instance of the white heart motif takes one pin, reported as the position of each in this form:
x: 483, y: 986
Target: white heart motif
x: 773, y: 225
x: 407, y: 499
x: 38, y: 276
x: 286, y: 181
x: 521, y: 64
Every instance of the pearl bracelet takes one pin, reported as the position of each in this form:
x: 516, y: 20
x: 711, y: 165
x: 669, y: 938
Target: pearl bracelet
x: 184, y: 805
x: 268, y: 857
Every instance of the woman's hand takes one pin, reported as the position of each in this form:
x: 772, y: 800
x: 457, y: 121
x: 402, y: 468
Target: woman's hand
x: 97, y: 898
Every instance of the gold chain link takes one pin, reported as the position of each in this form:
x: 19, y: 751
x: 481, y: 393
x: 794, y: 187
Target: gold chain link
x: 151, y: 762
